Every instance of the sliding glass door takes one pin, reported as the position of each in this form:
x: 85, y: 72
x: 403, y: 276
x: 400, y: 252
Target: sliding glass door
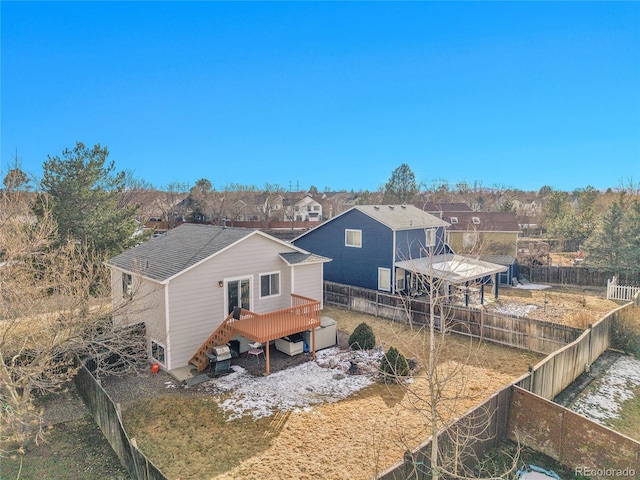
x: 238, y: 294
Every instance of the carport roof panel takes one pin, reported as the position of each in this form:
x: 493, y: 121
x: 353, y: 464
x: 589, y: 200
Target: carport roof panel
x: 452, y: 268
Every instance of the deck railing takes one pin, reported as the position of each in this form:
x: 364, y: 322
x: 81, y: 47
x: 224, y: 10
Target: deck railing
x: 280, y: 323
x: 263, y: 327
x: 305, y: 306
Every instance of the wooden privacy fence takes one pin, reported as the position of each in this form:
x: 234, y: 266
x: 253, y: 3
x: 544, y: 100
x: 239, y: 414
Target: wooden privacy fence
x: 535, y: 335
x: 582, y: 276
x: 107, y: 415
x: 621, y: 292
x: 570, y: 438
x: 559, y: 369
x: 489, y: 424
x: 462, y: 442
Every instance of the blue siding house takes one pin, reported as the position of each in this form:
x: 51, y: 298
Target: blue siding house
x: 367, y: 241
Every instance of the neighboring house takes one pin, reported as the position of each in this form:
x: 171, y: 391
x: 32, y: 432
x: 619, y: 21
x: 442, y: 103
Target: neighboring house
x: 440, y: 208
x: 334, y: 203
x: 390, y: 248
x: 307, y: 210
x: 240, y: 211
x: 483, y: 233
x: 366, y: 240
x: 526, y: 205
x: 184, y: 285
x: 492, y: 235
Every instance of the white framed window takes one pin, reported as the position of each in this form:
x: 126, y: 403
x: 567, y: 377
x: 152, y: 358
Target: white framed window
x: 353, y: 238
x: 127, y: 286
x: 384, y: 279
x: 475, y: 220
x: 269, y: 284
x: 158, y: 352
x: 430, y: 237
x: 454, y: 220
x: 400, y: 279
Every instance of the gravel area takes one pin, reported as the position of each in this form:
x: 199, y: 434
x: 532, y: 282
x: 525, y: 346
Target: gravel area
x: 68, y: 405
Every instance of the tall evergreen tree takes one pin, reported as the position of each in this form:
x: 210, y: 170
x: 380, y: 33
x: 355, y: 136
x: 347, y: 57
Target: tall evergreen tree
x: 631, y: 232
x: 82, y: 189
x: 401, y: 187
x: 607, y: 245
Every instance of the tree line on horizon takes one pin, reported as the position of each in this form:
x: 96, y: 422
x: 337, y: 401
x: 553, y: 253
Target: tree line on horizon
x: 89, y: 200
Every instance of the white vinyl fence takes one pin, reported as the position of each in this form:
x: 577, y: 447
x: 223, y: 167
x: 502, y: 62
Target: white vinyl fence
x: 620, y: 292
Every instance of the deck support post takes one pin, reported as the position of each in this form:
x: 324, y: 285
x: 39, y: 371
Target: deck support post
x: 267, y: 361
x: 313, y: 342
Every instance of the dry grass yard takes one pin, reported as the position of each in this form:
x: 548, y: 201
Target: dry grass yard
x: 188, y: 437
x: 573, y: 306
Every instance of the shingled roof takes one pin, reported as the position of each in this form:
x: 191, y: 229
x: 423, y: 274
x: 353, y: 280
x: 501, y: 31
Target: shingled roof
x: 401, y: 217
x: 482, y: 221
x: 165, y: 256
x: 298, y: 258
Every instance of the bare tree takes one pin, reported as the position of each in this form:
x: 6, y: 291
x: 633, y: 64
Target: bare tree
x: 447, y: 381
x: 172, y: 205
x: 55, y: 308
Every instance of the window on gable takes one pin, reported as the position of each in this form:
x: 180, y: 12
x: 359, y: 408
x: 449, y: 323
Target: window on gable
x: 454, y: 220
x: 353, y: 238
x: 127, y: 286
x: 430, y: 237
x: 158, y: 352
x: 269, y: 284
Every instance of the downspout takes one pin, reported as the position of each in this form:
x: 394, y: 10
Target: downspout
x: 167, y: 322
x: 293, y: 281
x: 393, y: 264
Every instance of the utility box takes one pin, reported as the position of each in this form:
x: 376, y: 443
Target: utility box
x: 291, y: 345
x: 326, y: 334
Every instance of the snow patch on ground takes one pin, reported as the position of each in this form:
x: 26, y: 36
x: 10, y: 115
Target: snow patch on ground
x: 516, y: 309
x: 532, y: 286
x: 298, y: 388
x: 603, y: 399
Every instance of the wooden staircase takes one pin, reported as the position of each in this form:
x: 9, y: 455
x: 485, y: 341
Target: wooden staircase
x: 220, y: 337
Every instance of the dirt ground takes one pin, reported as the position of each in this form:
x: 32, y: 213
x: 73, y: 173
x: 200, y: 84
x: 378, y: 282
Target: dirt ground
x: 573, y: 306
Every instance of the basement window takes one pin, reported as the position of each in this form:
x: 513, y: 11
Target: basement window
x: 158, y: 352
x: 127, y: 286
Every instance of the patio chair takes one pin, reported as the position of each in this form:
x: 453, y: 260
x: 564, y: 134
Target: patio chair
x: 256, y: 350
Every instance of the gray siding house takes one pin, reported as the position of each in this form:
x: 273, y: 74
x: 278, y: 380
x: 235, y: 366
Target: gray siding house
x: 184, y: 283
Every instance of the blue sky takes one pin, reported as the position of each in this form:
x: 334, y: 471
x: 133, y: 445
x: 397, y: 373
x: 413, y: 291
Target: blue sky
x: 330, y: 94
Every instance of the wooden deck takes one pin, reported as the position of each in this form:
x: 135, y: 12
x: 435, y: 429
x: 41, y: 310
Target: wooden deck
x: 304, y: 314
x: 271, y: 326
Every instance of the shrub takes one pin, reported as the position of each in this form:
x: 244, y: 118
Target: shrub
x: 625, y: 337
x: 393, y: 366
x: 362, y: 337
